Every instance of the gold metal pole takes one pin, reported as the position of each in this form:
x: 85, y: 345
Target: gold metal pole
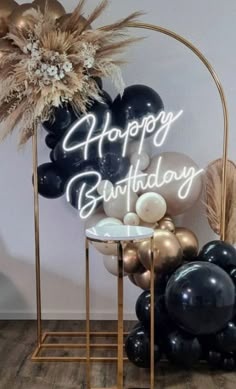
x: 87, y: 314
x: 152, y: 328
x: 120, y: 292
x: 37, y: 241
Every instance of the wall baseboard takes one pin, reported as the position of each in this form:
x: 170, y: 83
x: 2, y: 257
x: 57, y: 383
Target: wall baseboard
x: 49, y: 315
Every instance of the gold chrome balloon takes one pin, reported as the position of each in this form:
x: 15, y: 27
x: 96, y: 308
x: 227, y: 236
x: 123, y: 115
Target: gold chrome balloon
x: 131, y: 278
x: 188, y: 241
x: 166, y: 224
x: 131, y: 259
x: 54, y: 7
x: 166, y: 249
x: 6, y: 8
x: 143, y: 280
x: 4, y: 46
x: 17, y: 18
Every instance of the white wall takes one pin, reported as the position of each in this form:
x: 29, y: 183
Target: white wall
x: 183, y: 82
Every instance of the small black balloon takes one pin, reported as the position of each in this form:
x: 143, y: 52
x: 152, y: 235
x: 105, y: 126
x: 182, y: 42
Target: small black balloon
x: 137, y: 347
x: 226, y: 339
x: 51, y: 183
x: 51, y: 141
x: 220, y: 253
x: 200, y: 298
x: 62, y: 117
x: 214, y: 359
x: 136, y: 102
x: 183, y: 349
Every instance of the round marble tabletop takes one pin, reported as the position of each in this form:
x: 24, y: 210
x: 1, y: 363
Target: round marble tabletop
x: 119, y: 233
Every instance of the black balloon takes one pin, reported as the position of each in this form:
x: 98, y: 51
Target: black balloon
x: 183, y: 349
x: 113, y: 167
x: 62, y: 117
x: 76, y: 194
x: 220, y: 253
x: 137, y: 101
x: 107, y: 98
x: 51, y: 183
x: 99, y: 82
x: 233, y: 275
x: 226, y: 339
x: 51, y: 141
x: 68, y: 161
x: 214, y: 359
x: 228, y: 362
x: 137, y: 347
x: 200, y: 298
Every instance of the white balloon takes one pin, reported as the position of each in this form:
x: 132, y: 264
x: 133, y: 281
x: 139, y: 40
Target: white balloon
x: 111, y: 264
x: 105, y: 187
x: 121, y: 205
x: 143, y: 158
x: 108, y: 221
x: 151, y: 207
x: 131, y: 219
x: 107, y: 248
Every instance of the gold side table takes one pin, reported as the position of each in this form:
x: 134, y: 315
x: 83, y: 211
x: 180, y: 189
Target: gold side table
x: 117, y: 235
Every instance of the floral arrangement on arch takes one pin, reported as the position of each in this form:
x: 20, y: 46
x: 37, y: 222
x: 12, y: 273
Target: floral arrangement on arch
x: 45, y: 62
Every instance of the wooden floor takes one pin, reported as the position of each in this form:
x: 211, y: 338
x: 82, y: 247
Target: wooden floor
x: 17, y: 342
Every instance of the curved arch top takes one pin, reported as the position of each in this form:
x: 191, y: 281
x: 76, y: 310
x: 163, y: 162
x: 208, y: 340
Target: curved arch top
x: 219, y: 86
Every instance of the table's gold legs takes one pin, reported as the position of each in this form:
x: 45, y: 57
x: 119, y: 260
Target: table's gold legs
x: 152, y: 320
x: 120, y: 292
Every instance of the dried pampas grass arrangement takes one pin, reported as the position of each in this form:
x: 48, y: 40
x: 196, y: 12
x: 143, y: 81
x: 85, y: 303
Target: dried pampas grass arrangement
x: 213, y: 198
x: 48, y: 64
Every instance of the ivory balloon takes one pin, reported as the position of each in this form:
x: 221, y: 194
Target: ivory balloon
x: 107, y: 248
x: 54, y: 8
x: 167, y: 252
x: 166, y: 224
x: 111, y: 264
x: 121, y: 205
x: 17, y: 18
x: 134, y: 146
x: 189, y: 243
x: 131, y: 259
x: 138, y: 182
x: 131, y: 219
x: 6, y: 8
x: 142, y: 159
x: 105, y: 187
x: 94, y: 219
x: 151, y: 207
x: 4, y: 46
x: 143, y: 280
x: 174, y: 163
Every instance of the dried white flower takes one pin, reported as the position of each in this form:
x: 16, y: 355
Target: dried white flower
x: 67, y: 67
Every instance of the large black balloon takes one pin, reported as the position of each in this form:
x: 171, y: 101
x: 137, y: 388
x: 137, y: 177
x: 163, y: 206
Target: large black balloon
x: 228, y: 362
x: 200, y: 298
x: 214, y: 359
x: 68, y: 161
x: 137, y: 347
x: 136, y: 102
x: 183, y: 349
x: 220, y: 253
x: 51, y: 183
x: 75, y: 191
x: 62, y: 117
x: 226, y: 339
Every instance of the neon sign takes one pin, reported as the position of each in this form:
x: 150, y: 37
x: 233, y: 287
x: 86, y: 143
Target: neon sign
x: 159, y: 126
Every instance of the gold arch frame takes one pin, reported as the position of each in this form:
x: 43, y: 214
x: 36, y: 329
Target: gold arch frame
x: 42, y: 338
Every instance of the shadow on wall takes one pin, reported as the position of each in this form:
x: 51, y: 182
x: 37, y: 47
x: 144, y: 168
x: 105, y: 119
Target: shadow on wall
x: 62, y: 298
